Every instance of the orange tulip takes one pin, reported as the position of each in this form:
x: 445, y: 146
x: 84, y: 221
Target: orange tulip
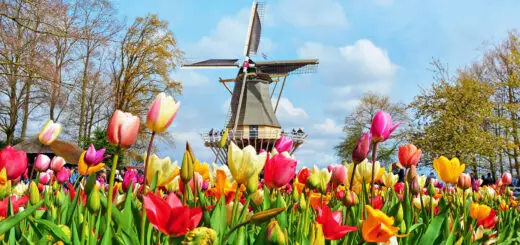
x: 123, y: 128
x: 409, y: 155
x: 479, y: 211
x: 378, y: 227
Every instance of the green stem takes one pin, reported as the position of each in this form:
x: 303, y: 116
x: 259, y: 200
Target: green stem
x: 143, y: 210
x: 234, y: 229
x: 374, y: 155
x: 111, y: 186
x: 235, y: 207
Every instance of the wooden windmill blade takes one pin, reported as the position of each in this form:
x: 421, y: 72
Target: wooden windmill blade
x: 288, y: 66
x: 254, y: 31
x: 212, y: 63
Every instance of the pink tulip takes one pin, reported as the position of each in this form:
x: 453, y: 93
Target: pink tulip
x: 507, y: 179
x: 123, y: 128
x: 464, y: 181
x: 93, y: 157
x: 130, y: 177
x: 14, y: 162
x: 279, y: 170
x: 339, y: 173
x: 63, y: 175
x: 284, y: 144
x: 382, y: 126
x: 362, y: 148
x: 45, y: 177
x: 57, y: 163
x: 42, y: 162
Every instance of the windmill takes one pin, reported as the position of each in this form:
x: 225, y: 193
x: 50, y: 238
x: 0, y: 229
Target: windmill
x: 252, y: 117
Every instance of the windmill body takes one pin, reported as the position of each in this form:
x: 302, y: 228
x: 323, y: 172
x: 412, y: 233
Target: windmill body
x: 252, y: 116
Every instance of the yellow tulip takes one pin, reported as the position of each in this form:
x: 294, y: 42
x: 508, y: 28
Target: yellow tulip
x: 426, y: 201
x: 389, y: 179
x: 319, y: 179
x: 202, y: 169
x: 479, y: 211
x: 85, y: 169
x: 164, y: 167
x: 422, y: 181
x: 161, y: 113
x: 49, y: 133
x: 448, y: 170
x: 244, y: 163
x: 5, y: 184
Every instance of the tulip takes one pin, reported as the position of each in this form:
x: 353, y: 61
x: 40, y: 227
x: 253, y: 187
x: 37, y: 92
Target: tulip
x: 507, y: 179
x: 399, y: 187
x: 464, y: 181
x: 14, y: 162
x: 45, y: 177
x: 16, y: 203
x: 187, y: 167
x: 275, y: 235
x: 378, y: 227
x: 490, y: 221
x: 123, y: 128
x: 362, y: 148
x: 165, y: 169
x: 331, y: 222
x: 479, y: 211
x: 258, y: 197
x: 42, y: 162
x: 303, y: 175
x: 350, y: 199
x: 196, y: 177
x: 244, y: 163
x: 378, y: 202
x: 200, y: 235
x: 426, y: 201
x: 279, y: 170
x: 414, y: 186
x: 382, y: 126
x: 202, y: 169
x: 409, y: 155
x: 130, y: 177
x: 339, y: 173
x: 284, y: 144
x: 5, y: 184
x: 20, y: 189
x: 316, y: 236
x: 319, y: 179
x: 63, y: 175
x: 169, y: 216
x: 49, y: 133
x: 448, y: 170
x: 390, y: 179
x: 93, y: 201
x: 90, y: 161
x: 57, y: 163
x: 161, y: 113
x: 364, y: 171
x: 34, y: 193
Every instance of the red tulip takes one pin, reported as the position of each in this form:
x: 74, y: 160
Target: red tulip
x: 382, y: 126
x: 169, y: 216
x: 331, y: 223
x: 409, y: 155
x: 123, y: 128
x: 284, y: 144
x: 279, y: 170
x: 303, y: 175
x: 378, y: 202
x: 17, y: 202
x: 490, y: 221
x: 507, y: 179
x: 14, y: 162
x: 399, y: 187
x: 362, y: 148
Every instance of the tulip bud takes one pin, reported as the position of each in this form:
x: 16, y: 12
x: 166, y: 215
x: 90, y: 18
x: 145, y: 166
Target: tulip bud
x: 411, y: 173
x: 507, y: 179
x: 60, y: 197
x: 414, y: 186
x: 258, y: 197
x: 94, y: 203
x: 350, y: 199
x: 399, y: 216
x: 186, y: 168
x: 316, y: 236
x: 431, y: 189
x: 263, y: 216
x: 54, y: 211
x: 66, y: 230
x: 223, y: 139
x: 464, y: 181
x: 252, y: 184
x: 34, y: 193
x: 302, y: 205
x: 362, y: 148
x: 275, y: 234
x: 200, y: 235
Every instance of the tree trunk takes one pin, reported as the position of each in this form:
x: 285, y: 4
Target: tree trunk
x: 82, y: 98
x: 25, y: 118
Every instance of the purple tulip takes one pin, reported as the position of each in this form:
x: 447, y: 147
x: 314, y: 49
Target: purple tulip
x: 130, y: 177
x: 284, y: 144
x: 382, y: 126
x: 362, y: 148
x: 93, y: 157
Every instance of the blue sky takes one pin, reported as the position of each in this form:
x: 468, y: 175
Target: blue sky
x: 382, y: 46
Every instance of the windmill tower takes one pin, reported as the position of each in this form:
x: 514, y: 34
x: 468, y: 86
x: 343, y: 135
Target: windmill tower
x: 252, y: 116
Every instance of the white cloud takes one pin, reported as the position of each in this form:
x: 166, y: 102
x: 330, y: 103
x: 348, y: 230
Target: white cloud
x: 310, y: 13
x: 191, y: 78
x: 288, y: 113
x: 227, y: 39
x: 329, y: 127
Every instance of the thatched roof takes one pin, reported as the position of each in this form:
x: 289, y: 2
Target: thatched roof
x: 68, y: 150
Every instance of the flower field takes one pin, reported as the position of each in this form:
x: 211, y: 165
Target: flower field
x: 258, y: 198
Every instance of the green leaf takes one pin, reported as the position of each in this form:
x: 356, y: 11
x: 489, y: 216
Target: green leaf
x: 435, y: 228
x: 107, y: 237
x: 267, y: 199
x: 153, y: 185
x: 75, y: 236
x: 282, y: 217
x: 55, y: 230
x: 10, y: 222
x: 218, y: 219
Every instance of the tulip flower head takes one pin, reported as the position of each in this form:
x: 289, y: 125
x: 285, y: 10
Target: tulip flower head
x: 378, y: 227
x: 130, y: 177
x: 161, y: 113
x: 164, y: 167
x: 279, y: 170
x: 5, y: 184
x: 319, y: 179
x: 339, y: 173
x: 479, y: 211
x: 284, y: 144
x: 244, y: 163
x: 409, y: 155
x: 448, y: 170
x: 169, y: 216
x: 390, y: 179
x: 49, y: 133
x: 45, y: 177
x: 57, y: 163
x: 14, y: 162
x: 42, y: 162
x: 507, y: 179
x: 464, y: 181
x: 90, y: 161
x: 303, y: 175
x: 382, y: 126
x: 332, y: 223
x: 362, y: 148
x: 123, y: 128
x: 63, y: 175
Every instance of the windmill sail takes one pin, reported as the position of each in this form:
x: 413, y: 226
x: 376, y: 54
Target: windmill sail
x: 254, y: 32
x: 213, y: 63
